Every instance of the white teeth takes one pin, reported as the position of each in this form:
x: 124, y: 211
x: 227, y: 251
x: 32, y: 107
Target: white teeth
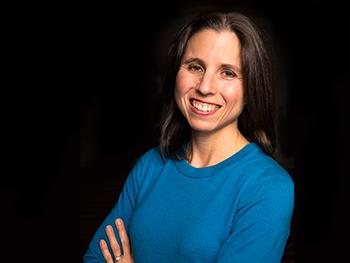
x: 203, y: 106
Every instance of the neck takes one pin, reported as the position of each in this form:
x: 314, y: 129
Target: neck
x: 211, y: 148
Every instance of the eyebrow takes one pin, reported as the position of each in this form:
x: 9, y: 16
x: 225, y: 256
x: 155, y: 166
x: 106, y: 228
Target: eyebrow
x: 200, y: 61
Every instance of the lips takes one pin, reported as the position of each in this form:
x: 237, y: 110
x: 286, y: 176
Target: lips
x: 204, y: 107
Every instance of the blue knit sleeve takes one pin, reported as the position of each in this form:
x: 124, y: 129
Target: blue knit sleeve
x: 123, y: 209
x: 261, y: 225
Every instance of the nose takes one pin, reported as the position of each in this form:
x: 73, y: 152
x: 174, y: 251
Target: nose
x: 206, y: 85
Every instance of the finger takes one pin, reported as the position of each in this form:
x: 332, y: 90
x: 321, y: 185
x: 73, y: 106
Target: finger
x: 123, y: 236
x: 113, y: 241
x: 105, y: 251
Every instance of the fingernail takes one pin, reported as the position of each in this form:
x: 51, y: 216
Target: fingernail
x: 108, y: 228
x: 119, y: 223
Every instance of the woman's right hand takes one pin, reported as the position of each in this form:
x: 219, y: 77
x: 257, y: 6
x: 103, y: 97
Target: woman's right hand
x: 126, y: 257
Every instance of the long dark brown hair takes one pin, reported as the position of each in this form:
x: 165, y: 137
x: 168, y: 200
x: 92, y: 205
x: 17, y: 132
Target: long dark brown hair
x: 256, y: 121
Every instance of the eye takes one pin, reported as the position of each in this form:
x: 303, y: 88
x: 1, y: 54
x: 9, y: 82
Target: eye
x: 229, y: 74
x: 195, y: 68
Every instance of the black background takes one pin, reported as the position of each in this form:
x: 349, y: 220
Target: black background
x: 105, y: 63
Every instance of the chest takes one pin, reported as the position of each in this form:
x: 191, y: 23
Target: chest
x: 179, y: 219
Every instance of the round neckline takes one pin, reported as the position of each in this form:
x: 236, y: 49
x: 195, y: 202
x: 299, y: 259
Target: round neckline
x: 188, y: 170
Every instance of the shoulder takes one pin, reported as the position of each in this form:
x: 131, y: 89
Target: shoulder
x: 149, y: 160
x: 150, y: 156
x: 145, y: 166
x: 267, y: 177
x: 261, y: 165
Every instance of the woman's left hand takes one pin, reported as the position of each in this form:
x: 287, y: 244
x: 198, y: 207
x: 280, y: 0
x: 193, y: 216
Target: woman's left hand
x: 118, y: 257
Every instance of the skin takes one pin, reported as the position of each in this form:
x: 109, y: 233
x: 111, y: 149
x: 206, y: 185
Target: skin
x: 127, y: 257
x: 210, y: 72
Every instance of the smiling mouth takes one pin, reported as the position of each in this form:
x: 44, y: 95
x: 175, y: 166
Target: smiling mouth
x: 204, y: 107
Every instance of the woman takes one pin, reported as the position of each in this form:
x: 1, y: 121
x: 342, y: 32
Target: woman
x: 210, y: 192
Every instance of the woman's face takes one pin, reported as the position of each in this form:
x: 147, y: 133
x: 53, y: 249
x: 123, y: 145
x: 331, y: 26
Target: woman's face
x: 209, y: 87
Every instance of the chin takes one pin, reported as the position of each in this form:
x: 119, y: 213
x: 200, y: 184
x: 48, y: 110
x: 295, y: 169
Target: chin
x: 203, y: 128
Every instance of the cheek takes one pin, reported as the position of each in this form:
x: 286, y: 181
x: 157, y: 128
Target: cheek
x: 233, y: 95
x: 184, y: 82
x: 180, y: 89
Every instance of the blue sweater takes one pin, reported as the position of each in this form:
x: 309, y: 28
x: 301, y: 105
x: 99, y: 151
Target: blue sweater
x: 238, y: 210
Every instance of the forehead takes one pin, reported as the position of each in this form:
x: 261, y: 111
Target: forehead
x: 209, y: 43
